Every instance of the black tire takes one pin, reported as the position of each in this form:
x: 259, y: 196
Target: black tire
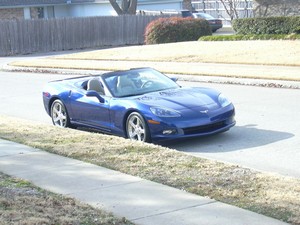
x: 59, y: 114
x: 137, y: 128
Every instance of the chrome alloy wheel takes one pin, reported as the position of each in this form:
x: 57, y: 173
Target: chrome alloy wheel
x: 137, y: 128
x: 59, y: 114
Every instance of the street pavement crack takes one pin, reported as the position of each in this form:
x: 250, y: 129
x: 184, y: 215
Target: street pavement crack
x: 175, y: 210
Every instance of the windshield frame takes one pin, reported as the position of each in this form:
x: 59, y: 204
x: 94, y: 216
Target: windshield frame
x: 138, y: 77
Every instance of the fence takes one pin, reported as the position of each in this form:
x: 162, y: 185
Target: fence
x: 43, y: 35
x: 215, y: 8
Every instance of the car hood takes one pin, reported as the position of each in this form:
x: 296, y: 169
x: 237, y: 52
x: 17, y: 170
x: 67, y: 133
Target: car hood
x: 182, y: 98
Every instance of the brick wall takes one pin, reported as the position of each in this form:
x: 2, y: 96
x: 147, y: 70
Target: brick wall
x: 16, y: 13
x: 34, y: 13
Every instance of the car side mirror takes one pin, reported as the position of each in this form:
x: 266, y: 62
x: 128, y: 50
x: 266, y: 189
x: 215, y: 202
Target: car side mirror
x: 174, y: 79
x: 95, y: 94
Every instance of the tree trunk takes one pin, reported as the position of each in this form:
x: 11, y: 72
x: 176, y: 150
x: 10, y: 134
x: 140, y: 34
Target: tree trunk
x: 132, y: 7
x: 127, y: 6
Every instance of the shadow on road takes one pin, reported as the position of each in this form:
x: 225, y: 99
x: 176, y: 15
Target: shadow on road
x: 238, y: 138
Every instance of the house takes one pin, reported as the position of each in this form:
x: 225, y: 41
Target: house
x: 159, y: 5
x: 33, y: 9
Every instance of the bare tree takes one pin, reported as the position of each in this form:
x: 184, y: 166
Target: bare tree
x: 230, y: 7
x: 187, y: 4
x: 265, y: 8
x: 124, y: 7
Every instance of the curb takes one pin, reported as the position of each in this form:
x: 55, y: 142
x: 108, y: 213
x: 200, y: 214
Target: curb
x: 240, y: 81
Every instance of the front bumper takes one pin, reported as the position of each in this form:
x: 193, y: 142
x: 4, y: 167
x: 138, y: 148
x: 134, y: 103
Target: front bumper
x: 194, y: 128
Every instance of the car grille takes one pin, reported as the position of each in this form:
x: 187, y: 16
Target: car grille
x: 204, y: 129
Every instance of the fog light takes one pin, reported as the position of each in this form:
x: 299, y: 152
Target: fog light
x: 168, y: 132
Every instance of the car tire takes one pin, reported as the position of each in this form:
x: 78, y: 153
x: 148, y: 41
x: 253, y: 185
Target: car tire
x: 59, y: 114
x: 137, y: 128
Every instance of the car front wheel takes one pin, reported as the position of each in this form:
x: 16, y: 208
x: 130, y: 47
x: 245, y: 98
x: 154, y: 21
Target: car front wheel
x: 137, y: 128
x: 59, y: 114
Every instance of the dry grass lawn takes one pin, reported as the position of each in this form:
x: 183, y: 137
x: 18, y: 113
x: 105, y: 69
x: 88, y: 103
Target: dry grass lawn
x: 268, y: 194
x: 186, y: 58
x: 244, y: 52
x: 24, y: 204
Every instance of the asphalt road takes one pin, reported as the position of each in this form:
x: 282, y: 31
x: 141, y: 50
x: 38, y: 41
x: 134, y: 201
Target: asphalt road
x: 21, y: 95
x: 266, y: 137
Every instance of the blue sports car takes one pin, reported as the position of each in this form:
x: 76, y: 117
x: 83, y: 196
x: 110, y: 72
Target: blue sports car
x: 140, y: 104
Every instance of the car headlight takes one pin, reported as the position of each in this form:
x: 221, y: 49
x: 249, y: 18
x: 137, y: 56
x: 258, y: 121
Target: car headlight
x: 164, y: 112
x: 223, y: 100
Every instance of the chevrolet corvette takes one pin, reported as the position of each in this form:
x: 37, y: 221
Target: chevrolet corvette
x: 140, y: 104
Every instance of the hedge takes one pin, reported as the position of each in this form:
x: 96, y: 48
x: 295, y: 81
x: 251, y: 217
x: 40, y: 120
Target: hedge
x: 176, y: 29
x: 240, y: 37
x: 267, y: 25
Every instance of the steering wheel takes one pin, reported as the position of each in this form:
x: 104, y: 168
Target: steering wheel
x: 147, y: 84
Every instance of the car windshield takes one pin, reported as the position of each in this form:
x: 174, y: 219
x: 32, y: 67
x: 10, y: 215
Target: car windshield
x: 137, y: 82
x: 204, y: 15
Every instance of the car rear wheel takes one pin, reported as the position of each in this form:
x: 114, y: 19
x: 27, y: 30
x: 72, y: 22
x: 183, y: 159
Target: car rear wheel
x: 137, y: 128
x: 59, y: 114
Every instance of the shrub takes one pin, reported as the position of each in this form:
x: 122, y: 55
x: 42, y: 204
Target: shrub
x: 267, y: 25
x: 240, y: 37
x: 175, y: 29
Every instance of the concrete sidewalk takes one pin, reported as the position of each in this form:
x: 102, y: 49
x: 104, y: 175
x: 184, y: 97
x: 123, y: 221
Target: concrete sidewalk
x: 139, y: 200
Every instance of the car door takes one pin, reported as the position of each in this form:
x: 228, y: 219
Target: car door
x: 90, y: 111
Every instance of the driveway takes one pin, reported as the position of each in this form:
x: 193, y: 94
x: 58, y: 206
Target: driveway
x: 225, y: 30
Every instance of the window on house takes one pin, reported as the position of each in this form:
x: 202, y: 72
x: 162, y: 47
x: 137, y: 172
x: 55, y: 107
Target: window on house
x: 40, y: 12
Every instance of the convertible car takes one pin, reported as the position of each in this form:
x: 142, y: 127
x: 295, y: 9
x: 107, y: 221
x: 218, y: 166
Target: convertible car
x: 140, y: 104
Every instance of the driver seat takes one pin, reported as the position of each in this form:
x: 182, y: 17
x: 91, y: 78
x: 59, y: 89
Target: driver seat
x: 125, y: 85
x: 95, y: 85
